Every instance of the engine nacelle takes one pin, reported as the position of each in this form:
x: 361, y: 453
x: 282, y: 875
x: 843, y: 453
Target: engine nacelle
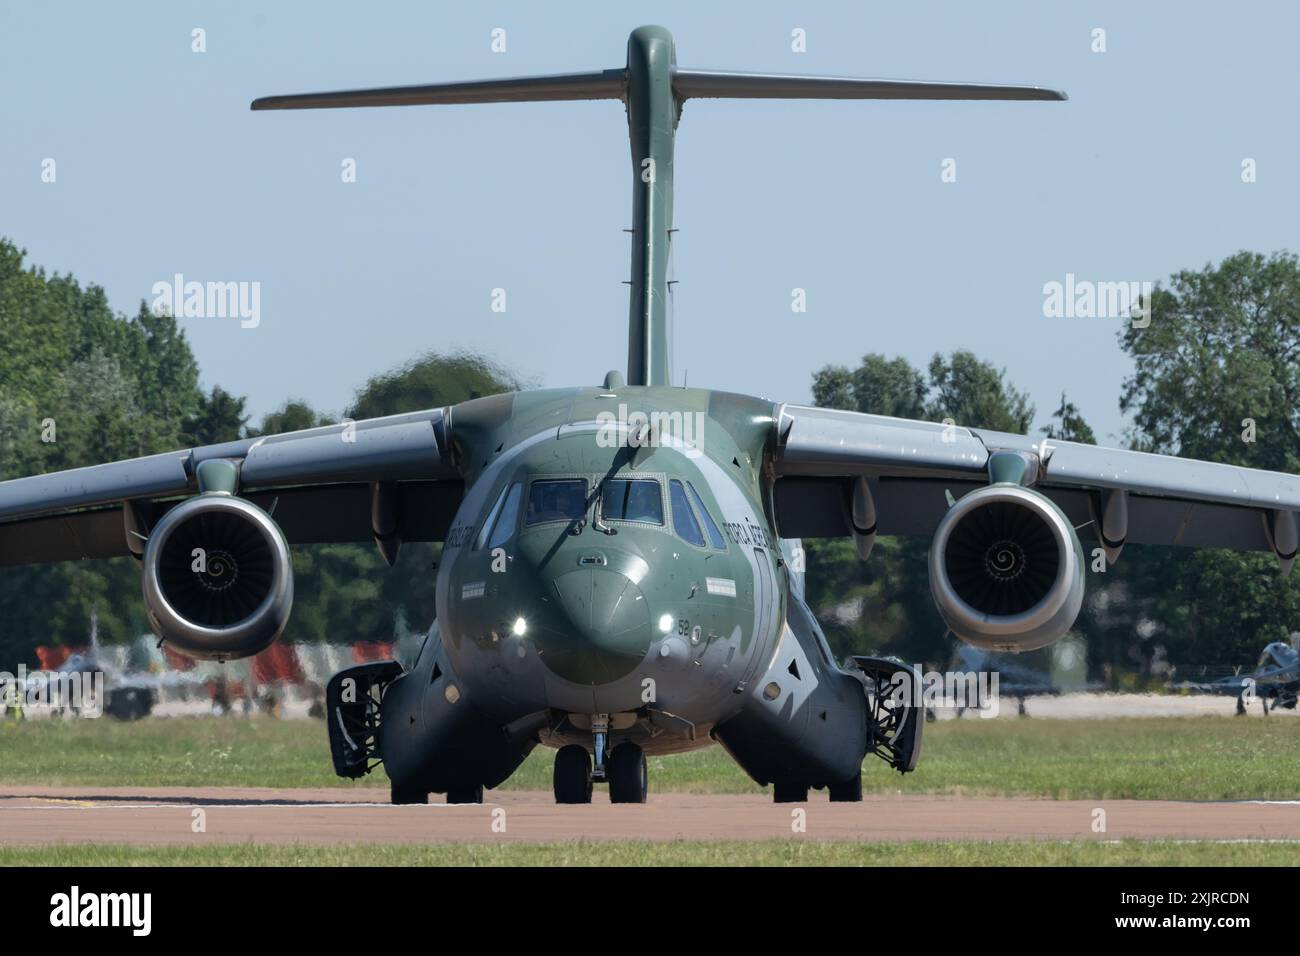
x: 218, y: 579
x: 1006, y: 569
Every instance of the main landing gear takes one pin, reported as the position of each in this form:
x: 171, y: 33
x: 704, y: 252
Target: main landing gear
x: 407, y: 795
x: 895, y: 716
x: 466, y: 795
x: 625, y: 771
x: 787, y: 791
x: 850, y: 791
x: 402, y: 795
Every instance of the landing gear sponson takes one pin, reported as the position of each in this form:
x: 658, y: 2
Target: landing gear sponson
x: 808, y: 724
x: 441, y: 742
x: 871, y: 717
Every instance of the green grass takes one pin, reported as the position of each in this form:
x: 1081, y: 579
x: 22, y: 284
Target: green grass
x: 182, y: 752
x: 679, y: 853
x: 1182, y: 758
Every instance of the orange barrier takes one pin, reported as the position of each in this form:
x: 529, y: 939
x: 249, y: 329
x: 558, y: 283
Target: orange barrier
x: 52, y: 658
x: 365, y: 651
x: 279, y: 662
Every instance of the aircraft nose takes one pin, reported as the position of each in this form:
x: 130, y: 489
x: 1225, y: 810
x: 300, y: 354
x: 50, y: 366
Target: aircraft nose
x: 600, y: 630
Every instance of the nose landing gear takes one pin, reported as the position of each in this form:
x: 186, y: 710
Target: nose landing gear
x: 628, y: 779
x: 625, y: 770
x: 572, y: 775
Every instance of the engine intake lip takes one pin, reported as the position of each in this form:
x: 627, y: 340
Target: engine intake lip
x: 1034, y: 584
x: 248, y: 560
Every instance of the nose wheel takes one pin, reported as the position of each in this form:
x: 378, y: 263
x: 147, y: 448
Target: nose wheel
x: 625, y: 771
x: 572, y: 775
x: 628, y: 779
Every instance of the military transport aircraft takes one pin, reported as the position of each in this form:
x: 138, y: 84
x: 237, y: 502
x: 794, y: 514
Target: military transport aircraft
x: 619, y: 574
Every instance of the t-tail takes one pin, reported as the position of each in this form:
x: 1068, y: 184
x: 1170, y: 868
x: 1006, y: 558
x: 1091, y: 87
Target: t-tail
x: 654, y: 89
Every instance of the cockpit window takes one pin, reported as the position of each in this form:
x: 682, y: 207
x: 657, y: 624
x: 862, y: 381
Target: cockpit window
x: 684, y: 523
x: 632, y: 499
x: 509, y: 517
x: 715, y: 536
x: 484, y: 531
x: 557, y: 500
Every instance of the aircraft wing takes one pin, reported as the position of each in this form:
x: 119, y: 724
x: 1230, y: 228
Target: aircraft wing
x: 1258, y: 681
x: 320, y: 484
x: 1128, y: 495
x: 1224, y: 685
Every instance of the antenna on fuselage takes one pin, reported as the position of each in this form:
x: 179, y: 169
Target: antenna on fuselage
x: 654, y: 89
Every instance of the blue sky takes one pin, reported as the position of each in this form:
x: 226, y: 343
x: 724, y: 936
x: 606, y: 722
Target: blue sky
x: 162, y: 169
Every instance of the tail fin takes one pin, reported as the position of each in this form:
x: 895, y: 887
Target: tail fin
x: 654, y: 90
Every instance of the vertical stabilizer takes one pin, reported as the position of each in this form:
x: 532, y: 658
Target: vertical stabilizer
x: 652, y: 115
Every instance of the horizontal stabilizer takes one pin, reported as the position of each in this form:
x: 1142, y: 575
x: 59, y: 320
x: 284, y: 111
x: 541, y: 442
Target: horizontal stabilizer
x: 702, y: 84
x: 602, y: 85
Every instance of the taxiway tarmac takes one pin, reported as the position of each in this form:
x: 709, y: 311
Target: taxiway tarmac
x: 34, y: 815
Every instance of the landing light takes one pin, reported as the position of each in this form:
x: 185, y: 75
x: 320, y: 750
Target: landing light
x: 666, y: 623
x: 520, y: 627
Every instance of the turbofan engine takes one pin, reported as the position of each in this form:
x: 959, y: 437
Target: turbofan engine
x: 218, y: 579
x: 1006, y: 569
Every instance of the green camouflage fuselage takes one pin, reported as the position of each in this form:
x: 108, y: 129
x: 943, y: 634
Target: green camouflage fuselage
x: 588, y: 615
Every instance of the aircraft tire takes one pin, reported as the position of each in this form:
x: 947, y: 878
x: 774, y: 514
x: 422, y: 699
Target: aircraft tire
x: 571, y: 777
x: 401, y: 795
x: 848, y: 792
x: 628, y: 777
x: 466, y: 795
x: 783, y: 791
